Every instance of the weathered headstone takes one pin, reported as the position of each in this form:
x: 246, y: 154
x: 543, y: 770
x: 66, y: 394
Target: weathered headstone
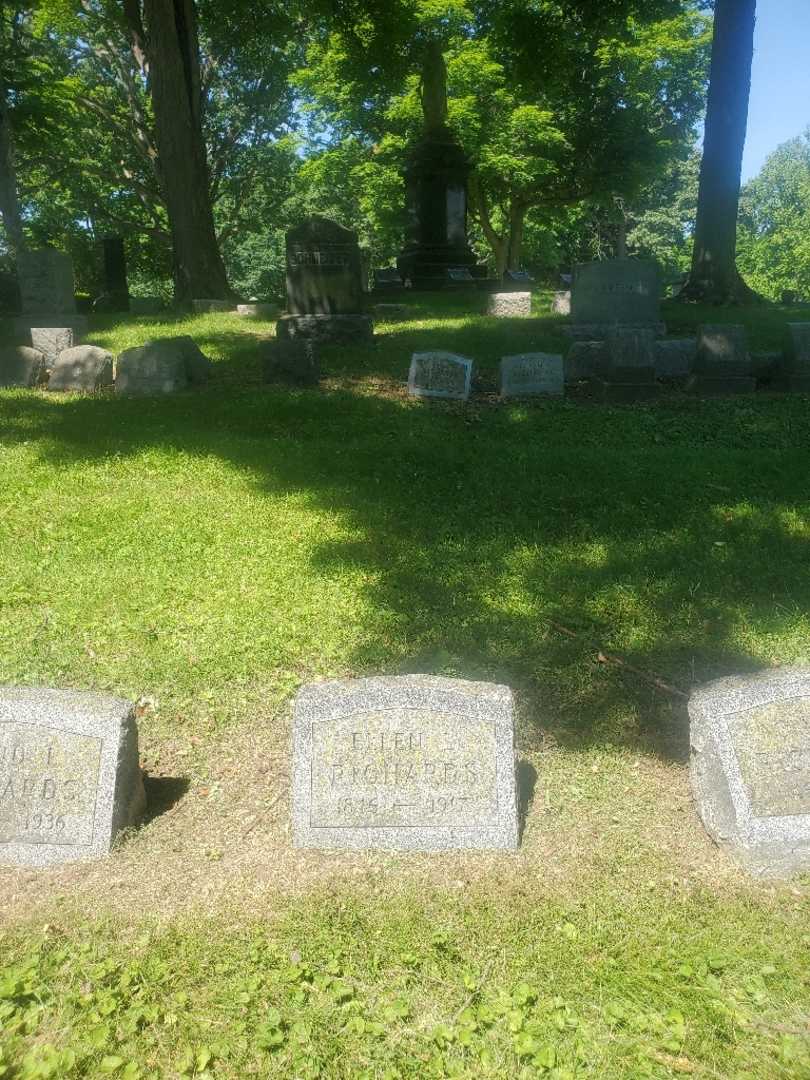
x: 623, y: 292
x: 529, y: 374
x: 85, y: 368
x: 69, y: 775
x: 440, y: 375
x: 561, y: 304
x: 293, y: 362
x: 412, y: 763
x: 793, y: 371
x: 722, y: 362
x: 325, y: 295
x: 584, y: 360
x: 509, y: 305
x: 257, y: 310
x: 674, y: 357
x: 459, y: 275
x: 162, y: 366
x: 750, y: 768
x: 629, y: 367
x: 47, y: 300
x: 21, y: 365
x: 518, y: 278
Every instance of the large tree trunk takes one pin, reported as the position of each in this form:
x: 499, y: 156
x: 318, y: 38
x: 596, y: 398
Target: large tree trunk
x: 714, y: 277
x: 517, y: 220
x: 174, y: 79
x: 9, y: 203
x: 499, y: 244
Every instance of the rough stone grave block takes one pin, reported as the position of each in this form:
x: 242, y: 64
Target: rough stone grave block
x: 85, y: 368
x: 21, y: 366
x: 509, y: 305
x: 69, y: 775
x: 256, y: 310
x: 561, y: 304
x: 46, y: 282
x: 528, y: 374
x: 163, y: 366
x: 50, y: 336
x: 441, y: 375
x: 411, y: 763
x: 750, y: 768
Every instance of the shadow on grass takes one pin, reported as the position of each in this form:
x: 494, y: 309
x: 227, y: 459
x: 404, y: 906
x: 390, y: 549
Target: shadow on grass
x: 163, y: 793
x: 675, y: 536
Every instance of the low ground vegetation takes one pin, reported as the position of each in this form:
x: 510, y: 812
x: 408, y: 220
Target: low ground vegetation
x: 205, y: 554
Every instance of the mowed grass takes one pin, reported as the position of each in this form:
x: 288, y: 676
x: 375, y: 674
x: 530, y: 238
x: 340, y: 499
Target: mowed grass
x: 210, y: 552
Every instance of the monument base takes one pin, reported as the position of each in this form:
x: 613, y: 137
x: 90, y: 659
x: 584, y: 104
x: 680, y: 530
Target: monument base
x: 720, y: 385
x: 625, y: 393
x: 326, y: 329
x: 600, y: 331
x: 792, y: 384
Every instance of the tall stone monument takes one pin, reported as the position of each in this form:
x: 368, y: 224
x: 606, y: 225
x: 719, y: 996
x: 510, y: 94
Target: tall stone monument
x: 436, y: 189
x: 325, y: 297
x: 49, y: 321
x: 115, y: 296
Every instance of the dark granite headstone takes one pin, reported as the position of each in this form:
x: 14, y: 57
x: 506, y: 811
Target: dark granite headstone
x: 389, y: 278
x: 325, y: 296
x: 459, y: 275
x: 793, y: 368
x: 116, y: 289
x: 722, y: 363
x: 629, y: 367
x: 623, y: 292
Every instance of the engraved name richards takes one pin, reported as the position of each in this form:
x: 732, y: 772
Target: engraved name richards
x: 410, y: 763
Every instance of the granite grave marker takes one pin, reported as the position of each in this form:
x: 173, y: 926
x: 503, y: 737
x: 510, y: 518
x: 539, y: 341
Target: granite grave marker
x: 49, y: 317
x: 624, y: 292
x: 410, y: 763
x: 440, y: 375
x: 69, y: 775
x: 722, y: 363
x: 750, y: 768
x: 529, y: 374
x: 793, y: 368
x: 509, y: 305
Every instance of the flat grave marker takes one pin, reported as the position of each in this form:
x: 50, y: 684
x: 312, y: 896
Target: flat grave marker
x: 750, y: 768
x: 415, y: 763
x: 529, y: 374
x: 440, y: 375
x: 69, y: 775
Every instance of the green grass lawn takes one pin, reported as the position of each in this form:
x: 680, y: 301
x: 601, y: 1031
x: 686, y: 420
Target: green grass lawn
x: 208, y: 553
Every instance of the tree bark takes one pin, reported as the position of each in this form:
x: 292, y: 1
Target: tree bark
x: 499, y: 244
x: 9, y: 202
x: 172, y: 52
x: 517, y: 220
x: 714, y: 277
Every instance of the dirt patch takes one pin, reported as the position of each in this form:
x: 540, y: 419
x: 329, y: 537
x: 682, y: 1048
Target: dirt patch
x: 218, y: 840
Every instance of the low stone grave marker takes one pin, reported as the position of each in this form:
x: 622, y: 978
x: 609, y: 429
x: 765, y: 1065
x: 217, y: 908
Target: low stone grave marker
x: 440, y: 375
x: 257, y: 310
x: 162, y: 366
x: 21, y: 366
x: 750, y: 768
x: 529, y: 374
x: 410, y: 763
x: 459, y: 275
x: 561, y: 304
x: 793, y: 370
x: 83, y: 368
x: 509, y: 305
x: 628, y: 374
x: 69, y: 775
x: 722, y: 362
x: 388, y: 278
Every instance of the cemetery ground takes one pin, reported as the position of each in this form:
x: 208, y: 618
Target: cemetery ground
x: 209, y: 552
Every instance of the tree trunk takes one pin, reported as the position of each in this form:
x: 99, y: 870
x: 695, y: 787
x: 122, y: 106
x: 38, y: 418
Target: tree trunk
x: 499, y: 244
x: 174, y: 82
x: 9, y: 203
x: 517, y: 219
x: 714, y: 277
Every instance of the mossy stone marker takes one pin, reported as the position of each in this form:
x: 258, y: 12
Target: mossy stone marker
x: 413, y: 763
x: 750, y: 768
x: 69, y: 775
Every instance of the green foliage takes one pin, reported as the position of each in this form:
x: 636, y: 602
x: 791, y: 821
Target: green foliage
x: 773, y: 239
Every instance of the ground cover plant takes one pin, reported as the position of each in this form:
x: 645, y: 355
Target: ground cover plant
x: 207, y: 553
